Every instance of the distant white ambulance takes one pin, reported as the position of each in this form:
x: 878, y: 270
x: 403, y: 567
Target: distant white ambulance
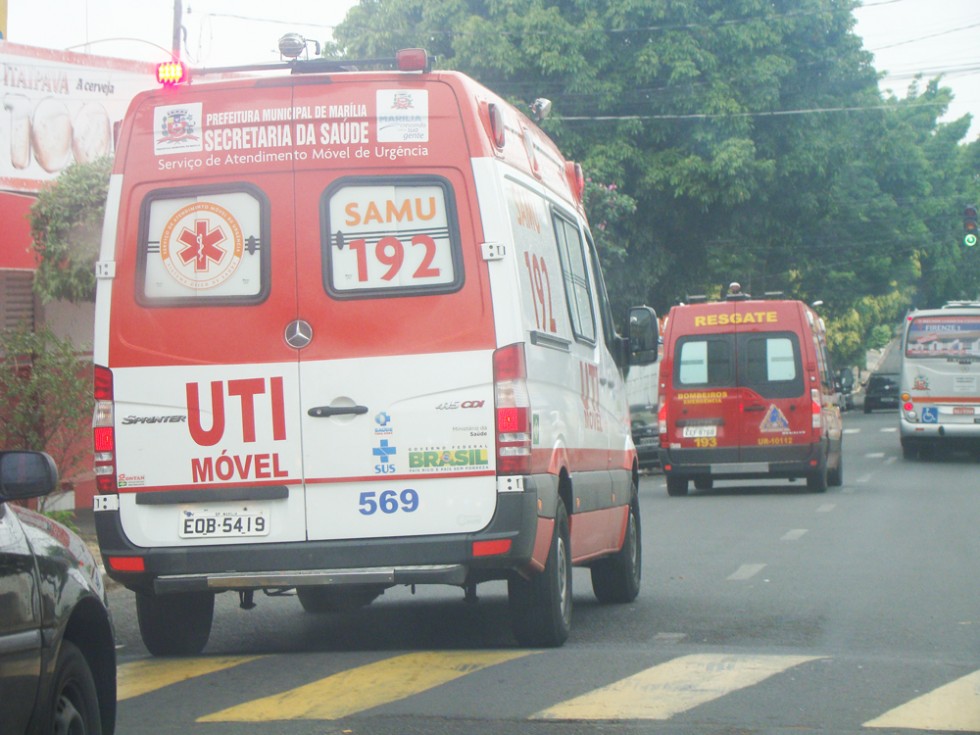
x: 352, y: 333
x: 939, y: 389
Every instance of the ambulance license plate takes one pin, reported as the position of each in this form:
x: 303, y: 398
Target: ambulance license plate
x: 206, y: 523
x: 699, y: 432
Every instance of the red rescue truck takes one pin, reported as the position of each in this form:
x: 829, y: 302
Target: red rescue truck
x: 352, y: 333
x: 747, y: 392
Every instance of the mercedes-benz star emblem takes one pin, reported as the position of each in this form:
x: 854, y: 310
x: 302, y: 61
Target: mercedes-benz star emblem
x: 298, y: 334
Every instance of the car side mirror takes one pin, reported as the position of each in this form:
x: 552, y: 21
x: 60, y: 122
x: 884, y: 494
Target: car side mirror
x: 644, y: 335
x: 26, y: 475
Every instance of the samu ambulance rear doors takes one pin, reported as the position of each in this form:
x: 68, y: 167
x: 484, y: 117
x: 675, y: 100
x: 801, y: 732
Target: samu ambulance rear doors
x: 397, y: 404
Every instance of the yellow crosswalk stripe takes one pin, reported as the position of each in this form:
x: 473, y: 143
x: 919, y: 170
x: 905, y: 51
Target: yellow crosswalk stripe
x: 140, y: 677
x: 365, y: 687
x: 954, y: 707
x: 663, y: 691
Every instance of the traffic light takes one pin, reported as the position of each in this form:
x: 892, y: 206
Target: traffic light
x: 970, y: 226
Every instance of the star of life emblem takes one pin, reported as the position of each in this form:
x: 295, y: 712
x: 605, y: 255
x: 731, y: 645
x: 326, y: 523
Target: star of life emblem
x: 202, y: 245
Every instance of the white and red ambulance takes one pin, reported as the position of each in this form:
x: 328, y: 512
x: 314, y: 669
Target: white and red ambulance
x: 352, y: 333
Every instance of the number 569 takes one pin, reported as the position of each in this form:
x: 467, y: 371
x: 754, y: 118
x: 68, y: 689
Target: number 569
x: 388, y: 501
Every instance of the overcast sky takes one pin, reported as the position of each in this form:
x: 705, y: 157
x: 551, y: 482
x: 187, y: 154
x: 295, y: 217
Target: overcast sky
x: 907, y: 37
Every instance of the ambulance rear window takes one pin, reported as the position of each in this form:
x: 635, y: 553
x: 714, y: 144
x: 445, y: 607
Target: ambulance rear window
x: 392, y: 236
x: 203, y: 246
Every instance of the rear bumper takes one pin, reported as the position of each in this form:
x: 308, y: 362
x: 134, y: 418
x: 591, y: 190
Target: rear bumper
x: 747, y: 464
x: 938, y: 432
x: 445, y: 559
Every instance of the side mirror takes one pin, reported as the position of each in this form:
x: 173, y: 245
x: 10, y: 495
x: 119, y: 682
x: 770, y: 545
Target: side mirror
x: 26, y: 475
x: 644, y: 335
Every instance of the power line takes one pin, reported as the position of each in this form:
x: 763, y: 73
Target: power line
x: 727, y: 115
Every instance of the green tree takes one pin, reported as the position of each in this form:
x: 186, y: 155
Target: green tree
x: 66, y: 225
x: 45, y: 397
x: 751, y: 136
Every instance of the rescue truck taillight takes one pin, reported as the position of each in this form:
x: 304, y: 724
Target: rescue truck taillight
x: 170, y: 73
x: 817, y: 408
x: 512, y: 403
x: 103, y: 432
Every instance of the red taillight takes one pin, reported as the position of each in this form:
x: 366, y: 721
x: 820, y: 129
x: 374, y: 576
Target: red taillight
x: 103, y: 383
x: 513, y: 413
x: 412, y: 59
x: 104, y: 432
x: 105, y: 439
x: 662, y: 419
x: 496, y: 547
x: 127, y: 563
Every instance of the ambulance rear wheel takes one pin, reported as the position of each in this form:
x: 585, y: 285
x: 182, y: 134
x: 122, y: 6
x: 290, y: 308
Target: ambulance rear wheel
x: 617, y: 578
x: 541, y: 607
x: 676, y: 486
x: 177, y: 624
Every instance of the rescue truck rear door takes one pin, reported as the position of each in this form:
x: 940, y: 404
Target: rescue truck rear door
x: 774, y: 400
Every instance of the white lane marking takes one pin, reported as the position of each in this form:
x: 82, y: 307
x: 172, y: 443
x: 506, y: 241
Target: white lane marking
x: 852, y: 431
x: 660, y: 692
x: 746, y: 571
x: 875, y: 455
x: 863, y: 479
x: 795, y: 535
x: 826, y: 508
x: 954, y: 706
x: 889, y: 430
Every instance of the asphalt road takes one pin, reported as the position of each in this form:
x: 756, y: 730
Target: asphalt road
x: 764, y: 609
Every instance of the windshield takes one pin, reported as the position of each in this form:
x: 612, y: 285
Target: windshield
x: 944, y: 336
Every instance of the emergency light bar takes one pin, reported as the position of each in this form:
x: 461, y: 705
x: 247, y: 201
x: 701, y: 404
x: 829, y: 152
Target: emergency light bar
x: 171, y: 73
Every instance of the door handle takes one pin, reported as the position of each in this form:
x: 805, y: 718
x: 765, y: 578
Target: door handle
x: 318, y: 412
x: 754, y: 407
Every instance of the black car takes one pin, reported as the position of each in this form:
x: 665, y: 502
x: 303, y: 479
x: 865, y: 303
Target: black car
x: 646, y: 434
x: 845, y: 384
x: 57, y: 650
x: 881, y: 391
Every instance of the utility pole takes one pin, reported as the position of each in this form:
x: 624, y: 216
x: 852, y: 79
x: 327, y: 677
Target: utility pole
x: 178, y: 21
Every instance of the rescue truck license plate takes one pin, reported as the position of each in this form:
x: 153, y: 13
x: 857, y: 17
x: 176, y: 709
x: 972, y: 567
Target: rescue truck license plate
x: 205, y: 523
x: 699, y: 432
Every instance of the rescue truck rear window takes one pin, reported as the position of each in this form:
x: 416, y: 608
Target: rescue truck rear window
x: 706, y: 362
x: 390, y: 237
x: 578, y: 290
x: 772, y: 365
x: 767, y: 363
x: 204, y: 246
